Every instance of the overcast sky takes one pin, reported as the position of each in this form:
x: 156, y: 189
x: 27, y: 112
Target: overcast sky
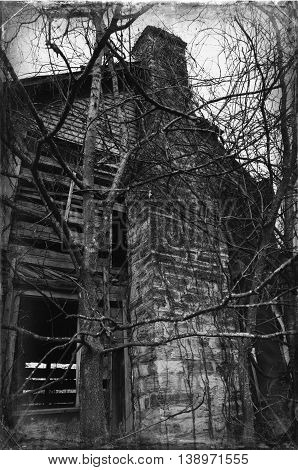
x: 189, y: 21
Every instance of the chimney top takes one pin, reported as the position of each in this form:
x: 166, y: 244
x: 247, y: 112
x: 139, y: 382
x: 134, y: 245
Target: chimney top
x: 155, y: 32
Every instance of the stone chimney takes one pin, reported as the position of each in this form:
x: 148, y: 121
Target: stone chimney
x: 162, y: 57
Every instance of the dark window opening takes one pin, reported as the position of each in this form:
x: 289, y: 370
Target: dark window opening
x: 46, y: 374
x: 118, y: 395
x: 119, y: 242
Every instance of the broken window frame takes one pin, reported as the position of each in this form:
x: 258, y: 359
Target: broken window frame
x: 17, y: 383
x: 118, y: 384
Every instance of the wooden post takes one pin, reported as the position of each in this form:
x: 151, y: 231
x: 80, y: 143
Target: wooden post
x: 127, y: 377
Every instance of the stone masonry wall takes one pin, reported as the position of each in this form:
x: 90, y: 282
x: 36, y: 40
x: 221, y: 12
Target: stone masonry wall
x: 191, y: 378
x: 185, y: 386
x: 188, y: 386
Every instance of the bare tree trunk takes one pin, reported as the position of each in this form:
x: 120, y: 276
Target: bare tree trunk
x: 94, y: 426
x: 289, y: 87
x: 291, y: 225
x: 249, y: 438
x: 1, y: 230
x: 93, y: 423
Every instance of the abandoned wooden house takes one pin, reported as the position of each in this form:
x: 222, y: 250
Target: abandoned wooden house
x: 169, y: 258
